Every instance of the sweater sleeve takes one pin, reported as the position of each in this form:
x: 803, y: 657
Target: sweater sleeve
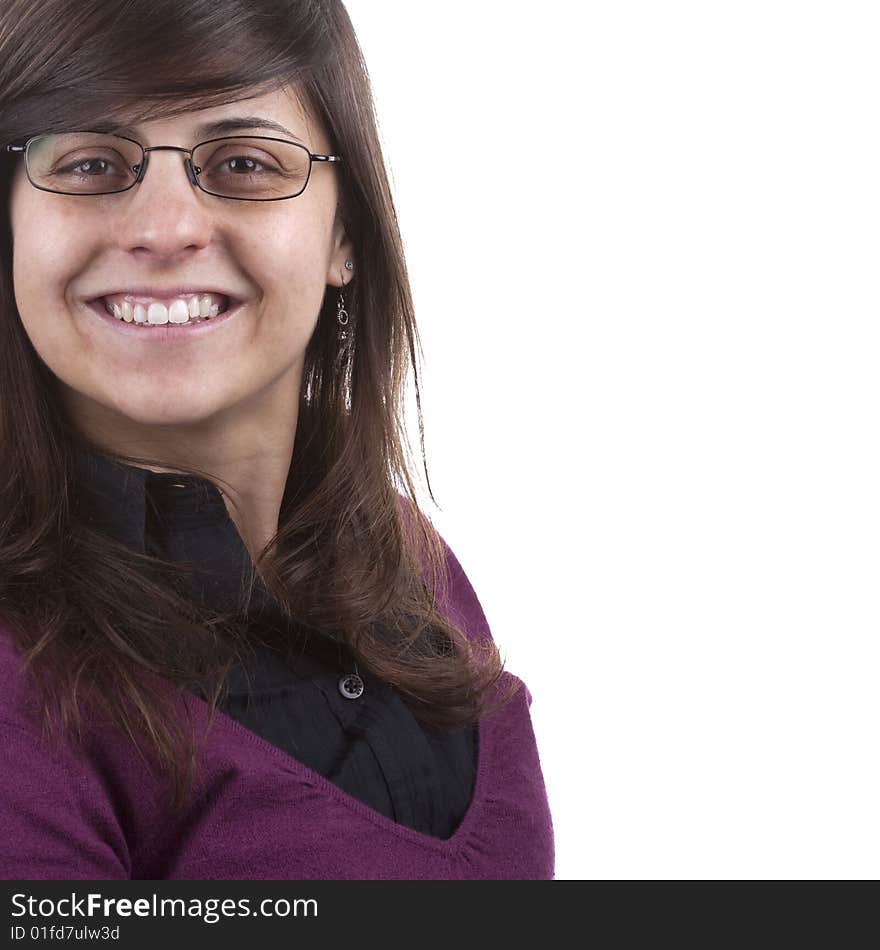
x: 55, y: 822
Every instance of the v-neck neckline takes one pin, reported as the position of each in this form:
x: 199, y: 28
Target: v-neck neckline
x: 290, y: 764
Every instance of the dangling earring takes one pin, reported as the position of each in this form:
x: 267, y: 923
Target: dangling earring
x: 345, y: 333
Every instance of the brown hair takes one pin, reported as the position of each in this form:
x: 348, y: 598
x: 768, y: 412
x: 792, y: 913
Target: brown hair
x: 353, y: 559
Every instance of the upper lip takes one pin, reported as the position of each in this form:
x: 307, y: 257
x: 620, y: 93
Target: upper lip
x: 166, y: 292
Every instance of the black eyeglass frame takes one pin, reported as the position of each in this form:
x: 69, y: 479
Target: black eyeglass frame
x: 192, y: 174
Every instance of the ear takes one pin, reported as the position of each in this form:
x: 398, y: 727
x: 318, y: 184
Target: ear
x: 342, y: 250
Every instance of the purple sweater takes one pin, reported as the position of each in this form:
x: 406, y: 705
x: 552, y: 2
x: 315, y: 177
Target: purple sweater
x: 260, y: 814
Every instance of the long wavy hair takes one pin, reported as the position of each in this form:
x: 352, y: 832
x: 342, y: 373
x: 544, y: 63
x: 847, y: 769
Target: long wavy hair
x: 106, y: 629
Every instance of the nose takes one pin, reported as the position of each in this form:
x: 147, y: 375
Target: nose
x: 166, y: 210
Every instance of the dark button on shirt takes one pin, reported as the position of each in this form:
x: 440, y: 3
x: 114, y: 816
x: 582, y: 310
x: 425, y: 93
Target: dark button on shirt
x: 370, y: 745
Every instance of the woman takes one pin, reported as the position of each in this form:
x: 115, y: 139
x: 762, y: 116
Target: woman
x: 229, y: 647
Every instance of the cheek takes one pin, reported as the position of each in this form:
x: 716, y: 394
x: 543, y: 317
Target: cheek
x: 289, y: 265
x: 289, y: 316
x: 41, y: 272
x: 47, y: 240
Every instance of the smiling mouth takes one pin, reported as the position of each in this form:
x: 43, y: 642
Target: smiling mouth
x: 181, y: 312
x: 154, y: 323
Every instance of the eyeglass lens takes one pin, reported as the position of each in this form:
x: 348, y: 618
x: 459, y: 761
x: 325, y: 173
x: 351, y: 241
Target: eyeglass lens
x: 92, y: 163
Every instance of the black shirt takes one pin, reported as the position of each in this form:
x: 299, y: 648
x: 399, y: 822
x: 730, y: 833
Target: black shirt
x: 362, y: 738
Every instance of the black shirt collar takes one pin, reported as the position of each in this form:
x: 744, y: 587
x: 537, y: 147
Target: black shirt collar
x: 122, y: 500
x: 181, y: 518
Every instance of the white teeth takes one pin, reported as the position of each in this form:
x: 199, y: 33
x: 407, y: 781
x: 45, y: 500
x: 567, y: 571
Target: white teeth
x: 157, y: 314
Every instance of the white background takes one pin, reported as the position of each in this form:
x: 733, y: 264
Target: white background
x: 643, y: 242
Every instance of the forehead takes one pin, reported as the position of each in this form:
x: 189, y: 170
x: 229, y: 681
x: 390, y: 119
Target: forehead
x: 281, y: 112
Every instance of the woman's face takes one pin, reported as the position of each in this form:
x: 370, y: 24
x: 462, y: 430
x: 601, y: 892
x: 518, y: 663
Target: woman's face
x: 276, y: 256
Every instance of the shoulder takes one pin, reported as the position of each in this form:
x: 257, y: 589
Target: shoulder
x: 455, y: 596
x: 17, y: 689
x: 58, y: 821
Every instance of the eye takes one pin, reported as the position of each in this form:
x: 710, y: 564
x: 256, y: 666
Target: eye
x: 242, y: 158
x: 75, y: 166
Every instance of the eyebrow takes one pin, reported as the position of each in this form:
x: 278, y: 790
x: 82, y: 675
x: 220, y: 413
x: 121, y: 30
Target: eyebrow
x: 236, y: 123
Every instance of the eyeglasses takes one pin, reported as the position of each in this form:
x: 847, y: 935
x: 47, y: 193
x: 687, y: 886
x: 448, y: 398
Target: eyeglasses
x: 243, y: 168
